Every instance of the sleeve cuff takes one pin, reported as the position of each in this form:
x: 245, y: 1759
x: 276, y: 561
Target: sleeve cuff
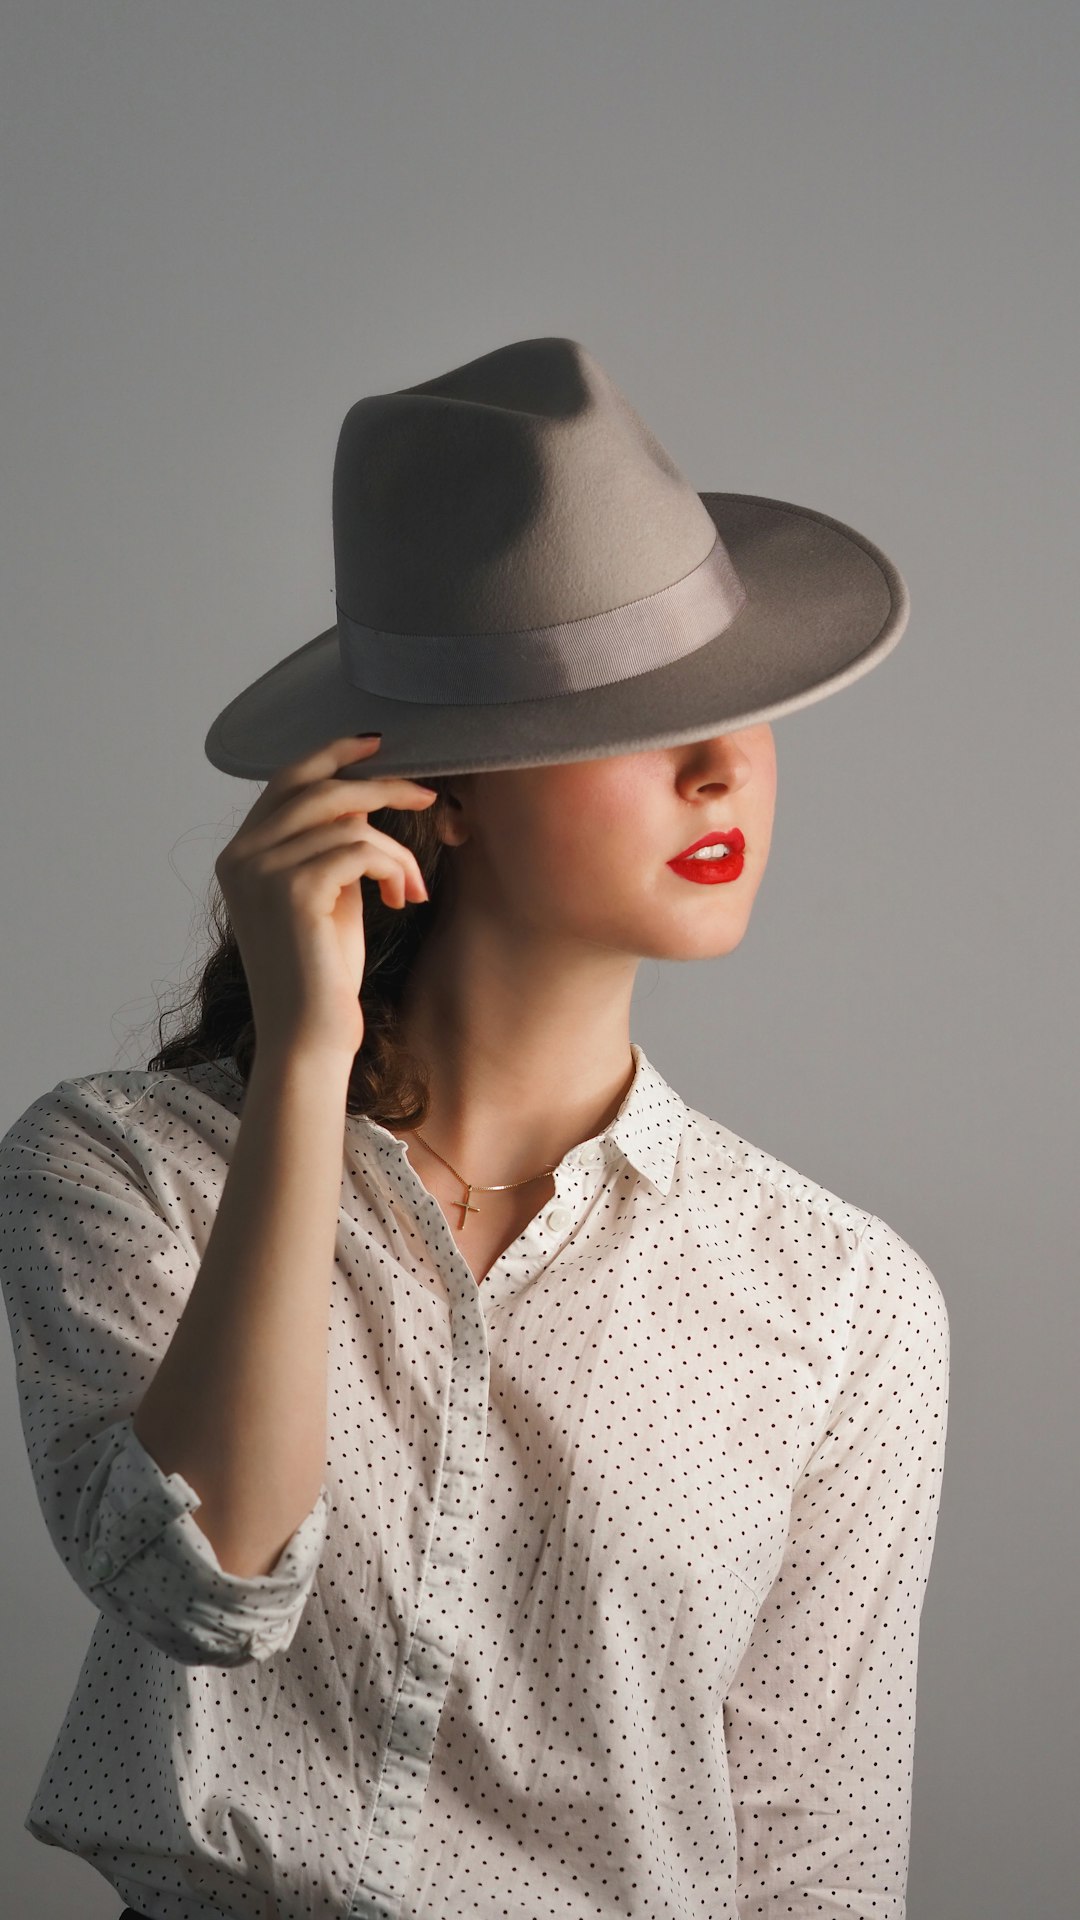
x: 160, y: 1570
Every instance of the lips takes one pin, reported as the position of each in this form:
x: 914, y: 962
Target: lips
x: 733, y: 839
x: 708, y: 873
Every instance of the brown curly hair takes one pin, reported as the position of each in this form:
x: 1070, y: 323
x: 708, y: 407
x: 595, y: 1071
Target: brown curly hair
x: 386, y: 1081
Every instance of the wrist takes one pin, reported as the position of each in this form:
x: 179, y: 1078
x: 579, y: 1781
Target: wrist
x: 298, y: 1064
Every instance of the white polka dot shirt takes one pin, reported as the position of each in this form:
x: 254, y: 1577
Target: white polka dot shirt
x: 609, y: 1603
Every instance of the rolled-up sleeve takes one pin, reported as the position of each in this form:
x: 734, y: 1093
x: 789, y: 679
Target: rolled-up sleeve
x: 819, y: 1722
x: 95, y: 1278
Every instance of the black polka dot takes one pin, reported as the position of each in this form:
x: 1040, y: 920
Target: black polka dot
x: 609, y: 1603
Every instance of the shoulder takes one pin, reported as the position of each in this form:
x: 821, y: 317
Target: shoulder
x: 778, y: 1200
x: 760, y: 1179
x: 105, y: 1105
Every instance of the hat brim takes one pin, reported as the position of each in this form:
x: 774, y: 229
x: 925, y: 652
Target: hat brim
x: 824, y: 605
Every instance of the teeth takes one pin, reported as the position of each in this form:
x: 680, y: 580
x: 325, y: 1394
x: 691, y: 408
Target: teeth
x: 711, y: 853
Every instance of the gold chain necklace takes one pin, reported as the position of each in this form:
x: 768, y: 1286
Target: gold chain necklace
x: 472, y: 1186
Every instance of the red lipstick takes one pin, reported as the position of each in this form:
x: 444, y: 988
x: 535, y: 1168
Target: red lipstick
x: 726, y: 867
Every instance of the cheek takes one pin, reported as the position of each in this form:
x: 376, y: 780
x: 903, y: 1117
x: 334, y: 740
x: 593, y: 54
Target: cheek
x: 596, y: 858
x: 576, y: 851
x: 604, y: 827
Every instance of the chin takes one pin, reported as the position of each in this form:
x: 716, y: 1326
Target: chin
x: 702, y: 943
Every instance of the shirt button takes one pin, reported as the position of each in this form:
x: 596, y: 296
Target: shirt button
x: 557, y: 1218
x: 99, y: 1563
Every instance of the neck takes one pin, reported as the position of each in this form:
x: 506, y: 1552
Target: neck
x: 526, y: 1056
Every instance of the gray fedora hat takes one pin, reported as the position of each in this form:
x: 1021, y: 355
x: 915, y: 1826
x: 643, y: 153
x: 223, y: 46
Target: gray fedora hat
x: 523, y: 576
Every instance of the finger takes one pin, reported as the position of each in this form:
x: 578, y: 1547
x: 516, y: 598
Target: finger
x: 309, y: 806
x: 311, y: 840
x: 319, y: 765
x: 300, y: 849
x: 350, y: 860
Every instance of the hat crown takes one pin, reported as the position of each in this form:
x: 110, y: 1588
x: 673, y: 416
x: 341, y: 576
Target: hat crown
x: 518, y: 490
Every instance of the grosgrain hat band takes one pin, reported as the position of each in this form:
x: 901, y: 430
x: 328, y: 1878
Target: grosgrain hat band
x: 475, y: 669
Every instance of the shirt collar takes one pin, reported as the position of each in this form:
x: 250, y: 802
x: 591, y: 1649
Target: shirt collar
x: 647, y: 1129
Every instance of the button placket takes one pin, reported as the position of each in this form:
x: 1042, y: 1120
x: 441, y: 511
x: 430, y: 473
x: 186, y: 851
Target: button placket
x: 571, y: 1180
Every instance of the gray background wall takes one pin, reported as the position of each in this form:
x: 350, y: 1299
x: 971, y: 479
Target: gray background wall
x: 830, y: 252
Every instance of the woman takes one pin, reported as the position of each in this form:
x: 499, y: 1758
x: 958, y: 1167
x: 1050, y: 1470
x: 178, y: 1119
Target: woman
x: 505, y: 1489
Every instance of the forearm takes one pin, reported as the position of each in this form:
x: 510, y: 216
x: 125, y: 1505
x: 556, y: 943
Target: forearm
x: 238, y: 1401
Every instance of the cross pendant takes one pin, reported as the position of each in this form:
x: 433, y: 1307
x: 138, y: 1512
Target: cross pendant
x: 464, y: 1205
